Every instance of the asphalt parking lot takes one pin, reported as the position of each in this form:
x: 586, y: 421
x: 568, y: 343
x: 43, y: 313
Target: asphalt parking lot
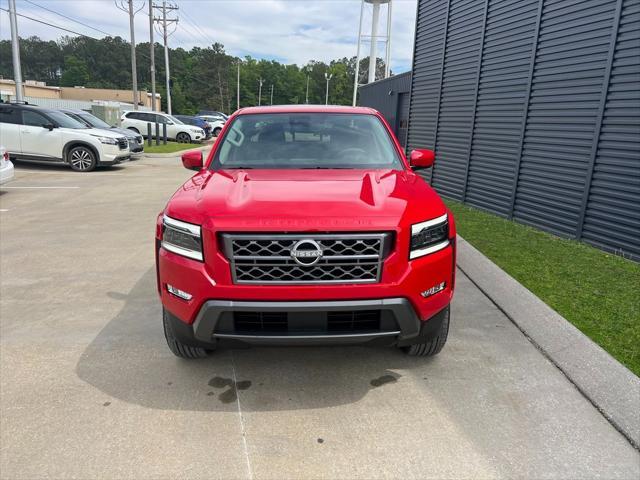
x: 90, y: 390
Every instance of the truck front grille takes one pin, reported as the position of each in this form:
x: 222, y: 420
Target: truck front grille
x: 306, y: 259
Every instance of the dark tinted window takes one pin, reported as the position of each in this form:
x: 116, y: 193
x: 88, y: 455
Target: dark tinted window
x: 10, y: 115
x: 34, y: 119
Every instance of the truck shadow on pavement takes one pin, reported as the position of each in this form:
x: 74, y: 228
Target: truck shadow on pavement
x: 129, y: 361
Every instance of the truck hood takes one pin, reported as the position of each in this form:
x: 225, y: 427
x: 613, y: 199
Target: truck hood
x: 305, y: 199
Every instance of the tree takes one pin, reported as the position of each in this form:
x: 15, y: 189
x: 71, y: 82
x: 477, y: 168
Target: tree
x: 75, y: 72
x: 203, y: 78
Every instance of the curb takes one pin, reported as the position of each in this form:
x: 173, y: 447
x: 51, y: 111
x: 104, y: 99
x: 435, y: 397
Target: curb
x: 174, y: 154
x: 612, y: 388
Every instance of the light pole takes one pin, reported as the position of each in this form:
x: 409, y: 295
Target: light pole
x: 152, y: 53
x: 271, y: 102
x: 15, y: 50
x: 238, y: 88
x: 306, y: 98
x: 260, y: 92
x: 328, y: 79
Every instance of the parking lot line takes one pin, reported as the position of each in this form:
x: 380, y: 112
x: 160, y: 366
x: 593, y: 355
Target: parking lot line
x: 47, y: 187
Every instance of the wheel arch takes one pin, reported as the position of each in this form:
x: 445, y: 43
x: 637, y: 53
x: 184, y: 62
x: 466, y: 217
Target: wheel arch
x: 79, y: 143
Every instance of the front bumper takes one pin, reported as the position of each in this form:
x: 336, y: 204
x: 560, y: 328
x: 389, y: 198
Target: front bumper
x: 6, y: 172
x: 400, y: 326
x: 112, y: 155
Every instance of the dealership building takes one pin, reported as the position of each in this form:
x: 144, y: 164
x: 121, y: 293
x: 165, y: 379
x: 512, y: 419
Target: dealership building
x: 533, y: 109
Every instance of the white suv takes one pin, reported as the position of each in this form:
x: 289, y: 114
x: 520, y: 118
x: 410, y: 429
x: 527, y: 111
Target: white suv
x: 176, y: 130
x: 37, y: 134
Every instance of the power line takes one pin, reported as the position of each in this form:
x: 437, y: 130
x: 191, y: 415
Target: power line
x: 51, y: 25
x: 69, y: 18
x: 62, y: 28
x: 196, y: 26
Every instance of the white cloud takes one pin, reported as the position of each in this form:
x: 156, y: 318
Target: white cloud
x: 293, y: 31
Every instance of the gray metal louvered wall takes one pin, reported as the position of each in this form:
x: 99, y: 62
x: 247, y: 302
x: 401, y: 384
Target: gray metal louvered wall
x: 533, y: 109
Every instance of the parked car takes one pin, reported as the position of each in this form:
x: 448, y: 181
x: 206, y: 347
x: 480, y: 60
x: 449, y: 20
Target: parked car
x: 217, y: 123
x: 36, y: 134
x: 213, y: 113
x: 198, y: 122
x: 306, y: 225
x: 6, y: 167
x: 136, y: 142
x: 137, y: 122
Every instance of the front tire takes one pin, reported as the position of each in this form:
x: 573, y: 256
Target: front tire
x: 434, y: 345
x: 82, y: 159
x: 178, y: 348
x: 183, y: 137
x: 216, y: 131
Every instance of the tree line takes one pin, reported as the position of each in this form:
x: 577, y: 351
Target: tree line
x: 202, y: 78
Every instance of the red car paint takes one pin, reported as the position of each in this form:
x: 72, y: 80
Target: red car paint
x: 268, y: 200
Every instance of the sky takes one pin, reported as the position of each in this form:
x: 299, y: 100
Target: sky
x: 289, y: 31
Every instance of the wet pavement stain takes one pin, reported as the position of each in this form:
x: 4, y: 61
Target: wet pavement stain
x: 231, y: 394
x: 243, y: 385
x: 384, y: 379
x: 228, y: 396
x: 219, y: 382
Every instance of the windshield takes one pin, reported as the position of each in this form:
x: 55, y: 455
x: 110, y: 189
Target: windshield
x: 175, y: 120
x: 307, y: 140
x: 64, y: 121
x: 94, y: 121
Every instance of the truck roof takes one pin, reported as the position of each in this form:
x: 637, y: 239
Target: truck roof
x: 307, y: 109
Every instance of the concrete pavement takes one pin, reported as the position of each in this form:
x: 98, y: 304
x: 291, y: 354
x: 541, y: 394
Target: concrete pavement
x: 89, y: 389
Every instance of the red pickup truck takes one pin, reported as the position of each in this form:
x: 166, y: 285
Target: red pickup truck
x: 306, y: 225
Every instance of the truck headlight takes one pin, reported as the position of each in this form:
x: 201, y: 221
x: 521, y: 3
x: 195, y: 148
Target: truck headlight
x: 429, y: 237
x: 182, y: 238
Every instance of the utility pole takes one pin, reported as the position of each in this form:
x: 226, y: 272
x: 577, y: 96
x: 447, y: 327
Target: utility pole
x: 260, y: 92
x: 238, y: 88
x: 164, y: 22
x: 128, y: 8
x: 271, y: 103
x: 306, y: 98
x: 328, y: 79
x: 15, y: 49
x: 152, y: 53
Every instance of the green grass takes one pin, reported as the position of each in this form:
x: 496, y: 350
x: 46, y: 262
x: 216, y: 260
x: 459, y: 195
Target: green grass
x: 596, y: 291
x: 170, y: 147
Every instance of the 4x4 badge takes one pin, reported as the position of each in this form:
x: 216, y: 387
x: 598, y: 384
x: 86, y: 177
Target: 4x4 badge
x: 306, y: 252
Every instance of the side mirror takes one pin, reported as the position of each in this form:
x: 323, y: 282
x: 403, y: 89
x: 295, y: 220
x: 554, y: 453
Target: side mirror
x: 49, y: 126
x: 192, y: 160
x: 422, y: 158
x: 169, y: 122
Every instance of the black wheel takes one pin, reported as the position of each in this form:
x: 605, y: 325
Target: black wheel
x: 183, y: 137
x: 178, y: 348
x: 81, y: 159
x: 216, y: 131
x: 433, y: 346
